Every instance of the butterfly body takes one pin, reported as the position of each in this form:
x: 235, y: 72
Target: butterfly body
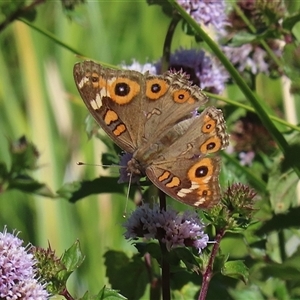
x: 154, y: 118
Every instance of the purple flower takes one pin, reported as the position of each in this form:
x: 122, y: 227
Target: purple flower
x: 17, y: 273
x: 246, y: 158
x: 250, y: 57
x: 206, y: 12
x: 204, y: 71
x: 242, y: 48
x: 169, y: 227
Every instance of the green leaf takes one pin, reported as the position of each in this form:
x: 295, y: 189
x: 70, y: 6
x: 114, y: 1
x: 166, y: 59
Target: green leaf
x: 282, y: 186
x: 186, y: 256
x: 77, y: 190
x: 289, y: 22
x: 291, y: 59
x: 27, y: 184
x: 281, y: 221
x: 23, y: 154
x: 105, y: 293
x: 236, y: 269
x: 242, y: 38
x: 72, y: 259
x: 282, y: 271
x: 124, y: 273
x: 152, y: 248
x: 252, y: 293
x: 219, y: 262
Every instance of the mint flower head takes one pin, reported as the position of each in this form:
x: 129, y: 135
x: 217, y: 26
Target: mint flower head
x: 206, y: 12
x: 252, y: 58
x: 169, y: 227
x: 17, y: 271
x: 203, y: 70
x: 243, y: 48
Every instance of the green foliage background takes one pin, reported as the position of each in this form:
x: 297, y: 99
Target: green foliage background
x: 38, y: 99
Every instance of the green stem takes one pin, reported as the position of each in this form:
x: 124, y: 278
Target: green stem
x: 282, y: 243
x: 51, y: 36
x: 249, y: 108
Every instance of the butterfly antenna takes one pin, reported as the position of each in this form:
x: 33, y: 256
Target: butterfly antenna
x: 80, y: 163
x: 127, y: 196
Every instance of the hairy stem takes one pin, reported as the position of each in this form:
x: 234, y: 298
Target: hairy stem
x: 66, y: 294
x: 208, y: 273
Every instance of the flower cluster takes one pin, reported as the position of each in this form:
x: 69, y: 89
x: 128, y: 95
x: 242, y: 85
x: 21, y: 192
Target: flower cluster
x: 251, y: 57
x: 239, y: 198
x: 169, y: 227
x: 202, y: 69
x: 246, y: 52
x: 17, y: 270
x: 206, y: 12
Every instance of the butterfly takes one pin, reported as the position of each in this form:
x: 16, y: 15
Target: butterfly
x: 155, y: 119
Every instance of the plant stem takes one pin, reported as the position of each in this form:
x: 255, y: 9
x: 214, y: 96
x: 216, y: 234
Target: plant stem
x: 155, y: 283
x: 162, y: 200
x: 165, y: 273
x: 165, y: 267
x: 282, y: 242
x: 165, y: 61
x: 249, y: 108
x: 66, y: 294
x: 208, y: 273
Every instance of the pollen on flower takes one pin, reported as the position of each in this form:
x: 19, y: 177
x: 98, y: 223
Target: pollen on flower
x: 169, y: 227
